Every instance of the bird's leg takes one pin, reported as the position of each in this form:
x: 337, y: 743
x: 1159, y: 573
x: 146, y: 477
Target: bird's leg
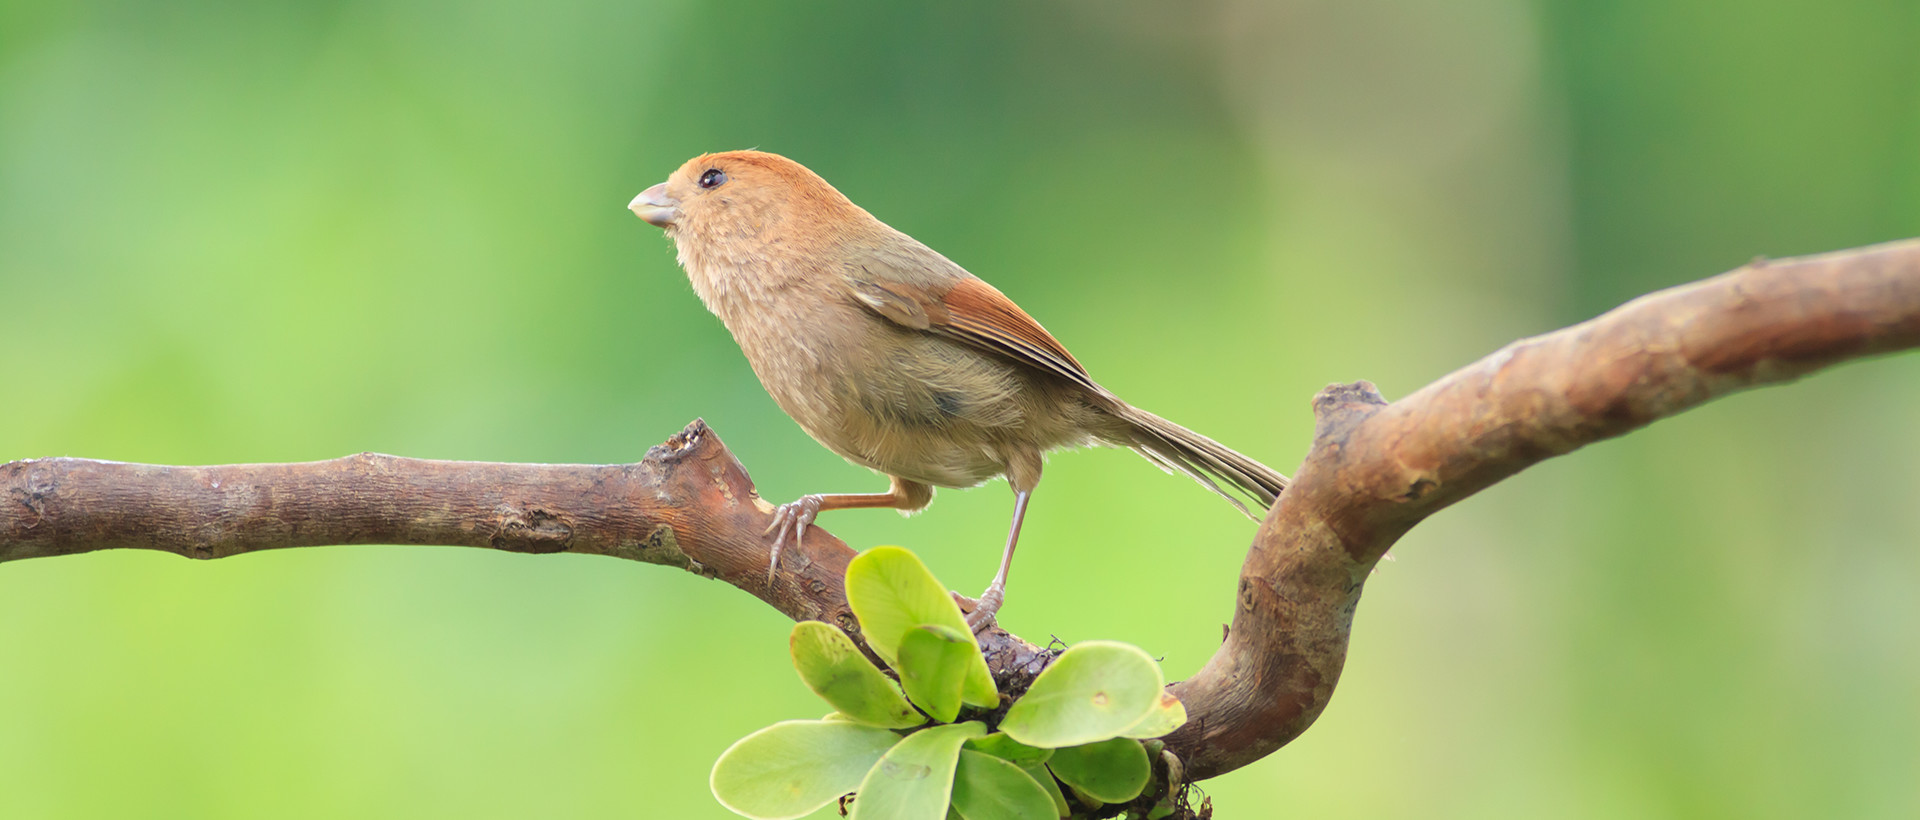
x: 790, y: 520
x: 981, y: 618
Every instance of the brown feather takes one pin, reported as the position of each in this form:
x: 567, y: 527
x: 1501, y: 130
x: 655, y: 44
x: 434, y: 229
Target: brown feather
x: 980, y: 314
x: 977, y: 314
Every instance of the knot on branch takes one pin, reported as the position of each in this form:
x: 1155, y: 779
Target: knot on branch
x: 538, y: 531
x: 32, y: 493
x: 1339, y: 408
x: 679, y: 445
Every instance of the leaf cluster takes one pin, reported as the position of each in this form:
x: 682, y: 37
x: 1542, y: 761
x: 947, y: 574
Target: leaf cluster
x: 927, y: 747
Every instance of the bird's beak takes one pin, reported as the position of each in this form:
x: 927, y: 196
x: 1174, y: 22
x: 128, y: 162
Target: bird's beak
x: 654, y: 206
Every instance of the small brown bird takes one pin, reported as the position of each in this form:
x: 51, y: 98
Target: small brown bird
x: 894, y: 357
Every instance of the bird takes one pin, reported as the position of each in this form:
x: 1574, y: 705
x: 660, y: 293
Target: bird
x: 896, y: 358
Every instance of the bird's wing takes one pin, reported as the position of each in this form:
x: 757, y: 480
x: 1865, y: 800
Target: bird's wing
x: 974, y: 313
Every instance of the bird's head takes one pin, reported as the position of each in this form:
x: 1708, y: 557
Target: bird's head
x: 737, y: 195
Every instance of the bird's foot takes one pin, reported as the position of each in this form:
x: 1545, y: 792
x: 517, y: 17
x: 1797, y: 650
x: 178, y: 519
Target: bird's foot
x: 790, y: 520
x: 981, y: 618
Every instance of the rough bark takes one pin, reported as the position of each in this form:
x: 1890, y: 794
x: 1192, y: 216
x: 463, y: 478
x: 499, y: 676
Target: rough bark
x: 1374, y: 471
x: 688, y: 504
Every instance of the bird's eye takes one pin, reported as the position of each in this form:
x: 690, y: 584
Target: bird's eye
x: 713, y: 178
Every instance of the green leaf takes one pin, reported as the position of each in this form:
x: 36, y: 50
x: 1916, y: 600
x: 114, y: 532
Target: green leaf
x: 989, y: 788
x: 1084, y: 798
x: 792, y: 768
x: 1006, y: 748
x: 1038, y: 771
x: 1030, y: 760
x: 891, y: 592
x: 1111, y: 771
x: 1166, y: 715
x: 836, y: 671
x: 933, y: 664
x: 1093, y: 691
x: 915, y: 778
x: 978, y: 688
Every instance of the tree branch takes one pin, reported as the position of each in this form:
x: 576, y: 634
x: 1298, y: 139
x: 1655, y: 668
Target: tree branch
x: 688, y: 504
x: 1377, y: 469
x: 1374, y: 471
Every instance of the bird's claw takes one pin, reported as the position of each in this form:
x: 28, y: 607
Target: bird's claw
x: 981, y: 619
x: 790, y: 520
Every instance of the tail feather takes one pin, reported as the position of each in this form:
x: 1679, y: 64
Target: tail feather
x: 1177, y: 449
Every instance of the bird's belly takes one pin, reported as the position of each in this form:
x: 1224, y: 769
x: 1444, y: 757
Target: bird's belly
x: 905, y: 404
x: 918, y: 453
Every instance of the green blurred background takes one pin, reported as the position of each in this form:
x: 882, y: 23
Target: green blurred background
x: 279, y: 232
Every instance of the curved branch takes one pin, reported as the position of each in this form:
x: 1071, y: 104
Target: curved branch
x: 1377, y: 469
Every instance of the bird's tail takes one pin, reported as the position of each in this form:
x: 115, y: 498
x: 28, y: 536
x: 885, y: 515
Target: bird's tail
x: 1177, y: 449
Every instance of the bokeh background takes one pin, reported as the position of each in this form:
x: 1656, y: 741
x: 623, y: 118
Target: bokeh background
x: 289, y: 231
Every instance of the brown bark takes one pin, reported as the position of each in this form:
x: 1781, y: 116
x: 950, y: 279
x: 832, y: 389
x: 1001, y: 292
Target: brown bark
x: 1374, y: 471
x: 688, y: 504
